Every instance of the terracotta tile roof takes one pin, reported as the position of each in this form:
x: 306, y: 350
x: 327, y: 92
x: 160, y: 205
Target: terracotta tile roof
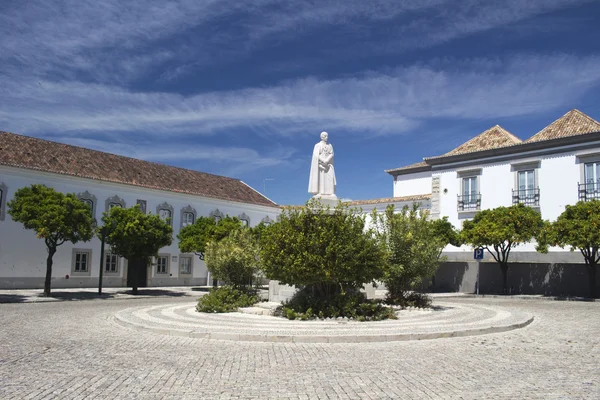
x: 572, y: 123
x: 417, y: 197
x: 42, y: 155
x: 421, y: 164
x: 493, y: 138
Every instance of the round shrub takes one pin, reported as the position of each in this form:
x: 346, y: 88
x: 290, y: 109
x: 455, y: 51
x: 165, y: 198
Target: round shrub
x: 226, y: 299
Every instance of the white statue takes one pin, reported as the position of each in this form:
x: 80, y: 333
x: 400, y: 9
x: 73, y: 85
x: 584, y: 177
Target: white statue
x: 322, y: 175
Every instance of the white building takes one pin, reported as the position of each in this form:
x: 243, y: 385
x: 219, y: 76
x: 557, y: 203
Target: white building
x: 104, y: 181
x: 557, y: 166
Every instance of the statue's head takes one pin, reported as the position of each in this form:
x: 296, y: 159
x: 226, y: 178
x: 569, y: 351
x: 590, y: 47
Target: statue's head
x: 324, y: 136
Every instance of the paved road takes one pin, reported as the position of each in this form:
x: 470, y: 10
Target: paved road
x: 71, y: 350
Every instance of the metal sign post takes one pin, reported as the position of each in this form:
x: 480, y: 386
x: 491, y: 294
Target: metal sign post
x: 478, y: 256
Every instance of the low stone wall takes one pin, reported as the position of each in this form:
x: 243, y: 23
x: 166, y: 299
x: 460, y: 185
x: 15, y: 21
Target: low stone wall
x: 551, y: 279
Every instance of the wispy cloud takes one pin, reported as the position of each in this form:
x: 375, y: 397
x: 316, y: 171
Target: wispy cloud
x: 113, y: 43
x: 388, y: 102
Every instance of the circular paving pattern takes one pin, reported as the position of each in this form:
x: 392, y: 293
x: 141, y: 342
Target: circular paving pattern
x: 447, y: 319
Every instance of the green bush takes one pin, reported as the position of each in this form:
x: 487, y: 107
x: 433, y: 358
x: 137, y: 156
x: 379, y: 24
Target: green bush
x: 408, y: 299
x: 226, y: 299
x: 234, y: 259
x: 413, y: 244
x: 308, y: 304
x: 321, y: 247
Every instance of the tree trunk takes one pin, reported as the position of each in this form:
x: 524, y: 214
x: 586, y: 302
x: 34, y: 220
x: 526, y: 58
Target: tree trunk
x: 51, y: 252
x: 136, y: 278
x: 592, y: 273
x: 504, y: 268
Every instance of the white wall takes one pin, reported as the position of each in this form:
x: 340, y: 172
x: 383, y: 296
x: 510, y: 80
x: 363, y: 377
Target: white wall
x: 23, y: 256
x: 557, y: 178
x: 412, y: 184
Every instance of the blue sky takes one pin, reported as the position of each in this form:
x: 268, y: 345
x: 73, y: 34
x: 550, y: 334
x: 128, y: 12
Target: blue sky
x: 243, y: 88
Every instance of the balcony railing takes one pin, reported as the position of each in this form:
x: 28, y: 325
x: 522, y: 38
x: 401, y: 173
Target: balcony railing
x: 529, y: 197
x: 589, y: 191
x: 469, y: 202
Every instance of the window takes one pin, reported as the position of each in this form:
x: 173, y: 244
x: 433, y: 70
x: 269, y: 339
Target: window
x: 165, y: 212
x: 90, y: 200
x: 185, y: 265
x: 187, y: 219
x: 592, y: 180
x: 527, y: 192
x: 217, y: 215
x: 142, y: 204
x: 162, y: 264
x: 114, y: 201
x: 267, y: 221
x: 470, y: 200
x: 111, y: 263
x: 245, y: 220
x: 2, y: 201
x: 81, y: 261
x: 188, y: 216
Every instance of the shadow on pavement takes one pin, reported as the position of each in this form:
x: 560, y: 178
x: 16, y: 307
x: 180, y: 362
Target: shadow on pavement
x: 12, y: 298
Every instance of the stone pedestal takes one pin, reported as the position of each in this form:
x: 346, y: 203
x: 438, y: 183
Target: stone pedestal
x: 330, y: 200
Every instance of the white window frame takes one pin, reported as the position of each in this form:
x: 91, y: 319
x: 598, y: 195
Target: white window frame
x: 191, y: 261
x: 88, y: 270
x: 472, y: 200
x: 117, y: 263
x: 186, y: 211
x: 167, y: 258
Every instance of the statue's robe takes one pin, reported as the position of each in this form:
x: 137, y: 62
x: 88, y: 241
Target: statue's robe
x: 322, y: 174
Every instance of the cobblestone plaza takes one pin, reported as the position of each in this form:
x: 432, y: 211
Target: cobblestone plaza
x: 75, y: 350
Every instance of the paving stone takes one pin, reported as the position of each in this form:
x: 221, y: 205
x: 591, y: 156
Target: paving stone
x: 75, y: 350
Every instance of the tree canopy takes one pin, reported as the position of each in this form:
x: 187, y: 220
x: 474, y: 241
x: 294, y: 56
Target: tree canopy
x: 54, y: 216
x: 134, y: 234
x: 193, y: 238
x: 579, y: 228
x: 322, y: 247
x: 500, y: 229
x: 234, y: 259
x: 413, y: 245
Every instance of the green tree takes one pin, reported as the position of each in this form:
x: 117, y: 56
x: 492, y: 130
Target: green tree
x: 414, y: 244
x: 327, y: 249
x: 136, y: 235
x: 501, y: 229
x: 447, y: 232
x: 54, y: 216
x: 193, y: 238
x: 578, y: 227
x: 234, y: 259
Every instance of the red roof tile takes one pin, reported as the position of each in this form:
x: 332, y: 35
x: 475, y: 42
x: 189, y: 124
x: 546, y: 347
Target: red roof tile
x: 571, y: 124
x: 42, y: 155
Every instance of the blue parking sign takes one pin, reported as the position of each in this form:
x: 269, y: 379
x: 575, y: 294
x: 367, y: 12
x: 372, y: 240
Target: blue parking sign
x: 478, y: 254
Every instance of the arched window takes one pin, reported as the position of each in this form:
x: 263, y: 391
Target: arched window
x: 114, y: 201
x: 165, y: 212
x: 245, y: 220
x: 267, y: 221
x: 217, y: 215
x: 188, y: 216
x: 90, y: 200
